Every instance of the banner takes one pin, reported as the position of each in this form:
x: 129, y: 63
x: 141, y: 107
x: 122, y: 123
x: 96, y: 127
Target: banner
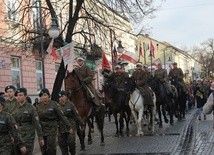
x: 105, y: 62
x: 68, y: 54
x: 129, y: 56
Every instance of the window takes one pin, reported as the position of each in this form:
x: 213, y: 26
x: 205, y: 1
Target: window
x: 15, y: 72
x: 35, y: 14
x: 12, y: 10
x: 39, y: 75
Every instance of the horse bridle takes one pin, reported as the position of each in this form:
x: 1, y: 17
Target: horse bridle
x: 135, y: 101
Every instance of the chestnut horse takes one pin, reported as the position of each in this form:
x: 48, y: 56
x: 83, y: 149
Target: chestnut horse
x: 76, y: 92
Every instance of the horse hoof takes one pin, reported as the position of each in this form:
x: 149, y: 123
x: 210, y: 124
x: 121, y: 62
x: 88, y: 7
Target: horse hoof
x: 90, y: 142
x: 92, y: 130
x: 171, y: 123
x: 152, y: 133
x: 116, y: 135
x: 82, y: 149
x: 166, y: 121
x: 160, y: 125
x: 102, y: 144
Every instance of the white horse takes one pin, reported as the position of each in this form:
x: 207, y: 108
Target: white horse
x: 136, y: 104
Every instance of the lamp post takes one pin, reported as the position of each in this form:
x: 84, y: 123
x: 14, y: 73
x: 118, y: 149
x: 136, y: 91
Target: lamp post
x: 120, y: 48
x: 54, y: 30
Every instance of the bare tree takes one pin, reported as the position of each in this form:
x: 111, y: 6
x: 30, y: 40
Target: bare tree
x: 27, y: 23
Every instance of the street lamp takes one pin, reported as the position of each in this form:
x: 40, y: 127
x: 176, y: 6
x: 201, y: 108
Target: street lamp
x: 120, y: 48
x: 54, y: 30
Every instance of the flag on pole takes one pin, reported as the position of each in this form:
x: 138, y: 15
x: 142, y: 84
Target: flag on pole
x: 129, y: 56
x: 68, y: 53
x: 50, y: 50
x: 114, y: 52
x: 140, y: 51
x: 105, y: 63
x: 152, y: 49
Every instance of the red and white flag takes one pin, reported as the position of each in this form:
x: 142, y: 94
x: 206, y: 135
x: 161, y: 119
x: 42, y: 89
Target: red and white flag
x: 105, y: 62
x: 152, y: 49
x: 51, y: 50
x: 129, y: 56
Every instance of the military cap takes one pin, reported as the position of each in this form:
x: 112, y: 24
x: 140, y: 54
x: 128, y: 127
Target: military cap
x: 43, y: 91
x: 2, y: 101
x: 21, y: 90
x: 174, y: 63
x: 80, y: 58
x: 139, y: 64
x: 9, y: 87
x: 145, y: 65
x: 117, y: 66
x: 124, y: 63
x: 62, y: 93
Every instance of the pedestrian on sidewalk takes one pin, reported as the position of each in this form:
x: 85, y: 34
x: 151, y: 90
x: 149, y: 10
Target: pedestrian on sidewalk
x: 200, y: 99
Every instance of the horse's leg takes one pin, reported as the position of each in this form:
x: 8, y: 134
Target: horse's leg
x: 152, y: 119
x: 81, y: 135
x: 100, y: 123
x: 164, y: 112
x: 121, y: 121
x: 139, y: 120
x: 171, y: 109
x: 116, y: 123
x: 92, y: 124
x: 159, y: 115
x: 128, y: 113
x: 89, y: 131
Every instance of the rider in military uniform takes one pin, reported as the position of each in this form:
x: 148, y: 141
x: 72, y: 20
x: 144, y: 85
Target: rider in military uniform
x: 141, y: 79
x: 8, y: 131
x: 65, y: 139
x: 177, y: 73
x: 27, y: 120
x: 160, y: 76
x: 49, y: 115
x: 86, y: 76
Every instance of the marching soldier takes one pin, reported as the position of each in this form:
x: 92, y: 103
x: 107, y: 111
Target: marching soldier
x: 86, y: 76
x: 141, y: 79
x: 177, y: 73
x: 11, y: 102
x: 66, y: 140
x: 8, y: 131
x: 161, y: 76
x: 27, y: 120
x: 49, y: 115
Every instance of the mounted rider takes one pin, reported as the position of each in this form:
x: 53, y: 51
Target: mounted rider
x: 141, y: 78
x: 160, y: 76
x: 86, y: 75
x: 177, y: 73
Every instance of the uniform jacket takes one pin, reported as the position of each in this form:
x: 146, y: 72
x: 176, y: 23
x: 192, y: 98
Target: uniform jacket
x: 176, y: 73
x: 72, y: 115
x: 49, y: 115
x: 85, y: 74
x: 27, y: 120
x: 7, y: 129
x: 160, y: 74
x: 140, y: 77
x: 11, y: 106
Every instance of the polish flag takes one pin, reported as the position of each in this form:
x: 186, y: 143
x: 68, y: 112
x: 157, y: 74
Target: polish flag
x: 105, y: 62
x: 50, y: 50
x: 129, y: 56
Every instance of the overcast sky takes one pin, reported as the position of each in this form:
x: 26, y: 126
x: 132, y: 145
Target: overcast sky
x: 184, y: 23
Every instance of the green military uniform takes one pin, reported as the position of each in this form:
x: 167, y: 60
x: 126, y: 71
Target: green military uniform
x: 141, y: 79
x: 11, y: 106
x: 7, y: 131
x: 66, y: 140
x: 49, y: 114
x: 27, y: 120
x: 177, y: 73
x: 86, y: 75
x: 160, y: 75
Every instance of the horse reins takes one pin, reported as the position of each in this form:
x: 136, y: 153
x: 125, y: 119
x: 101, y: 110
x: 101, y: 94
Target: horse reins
x: 135, y: 101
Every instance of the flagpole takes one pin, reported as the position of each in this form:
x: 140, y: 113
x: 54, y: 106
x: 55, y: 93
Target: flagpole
x: 144, y: 53
x: 151, y: 59
x: 111, y: 44
x: 139, y: 50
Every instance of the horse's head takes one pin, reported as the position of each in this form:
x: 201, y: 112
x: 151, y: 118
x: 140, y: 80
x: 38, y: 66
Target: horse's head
x: 129, y: 85
x: 72, y: 84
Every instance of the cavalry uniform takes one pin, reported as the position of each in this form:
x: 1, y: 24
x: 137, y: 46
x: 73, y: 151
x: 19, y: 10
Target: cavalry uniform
x: 141, y: 79
x: 160, y: 75
x: 177, y: 74
x: 66, y: 140
x: 86, y: 76
x: 49, y: 115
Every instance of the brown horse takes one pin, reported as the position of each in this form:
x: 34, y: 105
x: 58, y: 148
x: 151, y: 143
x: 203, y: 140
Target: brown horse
x: 75, y: 89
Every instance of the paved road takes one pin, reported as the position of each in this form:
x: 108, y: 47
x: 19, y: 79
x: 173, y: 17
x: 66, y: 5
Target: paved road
x: 167, y: 140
